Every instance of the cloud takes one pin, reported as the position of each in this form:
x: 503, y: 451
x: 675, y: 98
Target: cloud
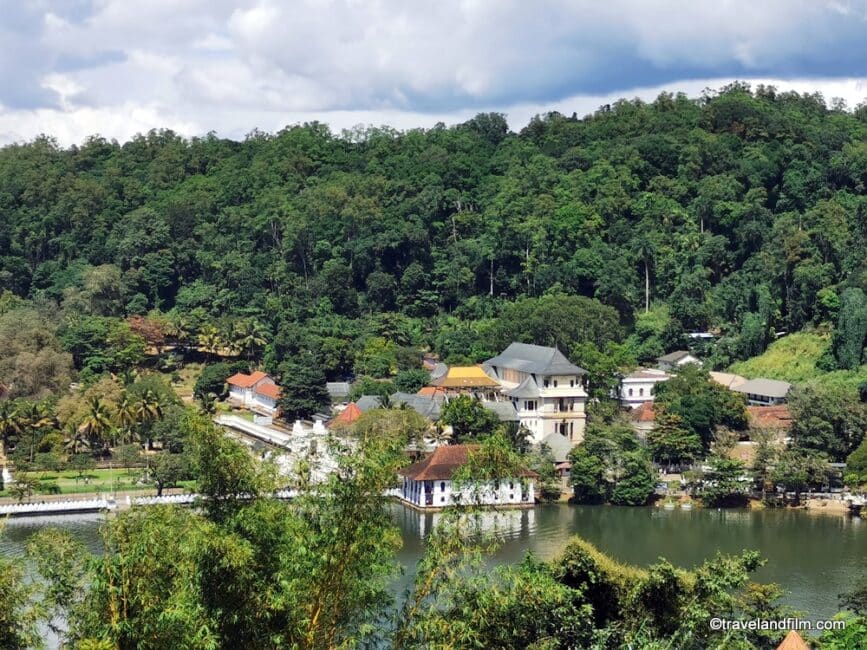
x: 69, y: 66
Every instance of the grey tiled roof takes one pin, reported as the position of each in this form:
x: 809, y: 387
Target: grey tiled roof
x: 439, y: 370
x: 536, y: 359
x: 765, y: 387
x: 559, y: 445
x: 429, y: 407
x: 673, y: 357
x: 527, y: 388
x: 338, y: 389
x: 368, y: 402
x: 504, y: 410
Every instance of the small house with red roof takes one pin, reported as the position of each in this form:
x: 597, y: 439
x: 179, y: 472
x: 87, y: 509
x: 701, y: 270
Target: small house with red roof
x: 428, y: 484
x: 256, y: 391
x: 348, y: 416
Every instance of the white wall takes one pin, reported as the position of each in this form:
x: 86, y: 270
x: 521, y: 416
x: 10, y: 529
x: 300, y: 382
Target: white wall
x: 509, y: 492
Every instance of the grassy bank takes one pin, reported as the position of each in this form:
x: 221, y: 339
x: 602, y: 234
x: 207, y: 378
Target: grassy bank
x: 793, y: 358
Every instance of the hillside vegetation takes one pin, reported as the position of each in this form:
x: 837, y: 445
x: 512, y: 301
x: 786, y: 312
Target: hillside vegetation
x: 742, y: 211
x: 794, y: 358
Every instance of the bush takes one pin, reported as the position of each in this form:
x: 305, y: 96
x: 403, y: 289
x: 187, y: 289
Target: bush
x: 47, y: 487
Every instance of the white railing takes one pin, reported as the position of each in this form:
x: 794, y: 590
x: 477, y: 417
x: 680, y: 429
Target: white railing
x: 57, y: 507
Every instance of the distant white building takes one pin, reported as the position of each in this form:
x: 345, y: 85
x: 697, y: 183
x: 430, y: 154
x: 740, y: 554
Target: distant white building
x: 637, y: 387
x: 676, y: 359
x: 428, y: 484
x: 546, y: 389
x: 256, y: 391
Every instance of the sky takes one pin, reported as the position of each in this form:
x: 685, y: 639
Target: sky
x: 77, y: 68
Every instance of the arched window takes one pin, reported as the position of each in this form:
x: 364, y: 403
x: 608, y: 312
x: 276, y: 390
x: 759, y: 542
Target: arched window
x: 641, y: 392
x: 442, y: 486
x: 630, y: 392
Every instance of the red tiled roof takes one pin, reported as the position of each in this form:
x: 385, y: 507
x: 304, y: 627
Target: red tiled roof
x: 242, y: 380
x: 770, y: 417
x: 428, y: 391
x: 348, y: 415
x: 268, y: 390
x: 442, y: 463
x: 643, y: 413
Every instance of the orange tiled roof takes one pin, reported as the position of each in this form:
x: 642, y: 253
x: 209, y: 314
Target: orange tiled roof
x: 348, y: 415
x: 242, y: 380
x: 268, y: 390
x: 793, y: 641
x: 443, y: 462
x: 770, y: 417
x: 643, y: 413
x: 428, y: 391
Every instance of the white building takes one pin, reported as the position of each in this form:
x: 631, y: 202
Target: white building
x: 428, y: 483
x: 637, y: 387
x: 676, y: 359
x: 546, y: 389
x: 256, y: 391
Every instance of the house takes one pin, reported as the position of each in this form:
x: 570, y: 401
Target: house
x: 643, y: 419
x: 727, y: 379
x: 676, y: 359
x: 764, y: 392
x: 428, y: 483
x: 470, y: 380
x: 256, y: 391
x: 637, y: 387
x: 546, y: 389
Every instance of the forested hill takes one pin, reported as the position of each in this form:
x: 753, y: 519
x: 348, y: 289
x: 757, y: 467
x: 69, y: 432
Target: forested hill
x: 744, y: 211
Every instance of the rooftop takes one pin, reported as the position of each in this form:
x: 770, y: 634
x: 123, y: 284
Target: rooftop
x: 527, y: 388
x: 504, y: 410
x: 764, y: 387
x: 674, y: 357
x: 464, y: 377
x: 369, y: 402
x: 243, y: 380
x: 443, y: 462
x: 268, y: 390
x: 647, y: 374
x: 643, y: 413
x: 338, y: 388
x: 559, y: 445
x: 770, y: 417
x: 348, y: 415
x: 535, y: 359
x: 727, y: 379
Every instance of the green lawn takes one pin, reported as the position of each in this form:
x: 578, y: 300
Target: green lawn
x: 98, y: 480
x: 793, y: 359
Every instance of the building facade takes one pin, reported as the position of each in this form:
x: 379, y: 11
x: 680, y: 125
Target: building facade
x: 256, y: 391
x: 546, y: 389
x: 428, y: 484
x: 637, y: 387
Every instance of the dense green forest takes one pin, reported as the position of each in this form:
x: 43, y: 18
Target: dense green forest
x: 741, y: 211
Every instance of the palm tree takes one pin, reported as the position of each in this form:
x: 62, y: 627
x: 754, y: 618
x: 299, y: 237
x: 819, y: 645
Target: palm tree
x: 250, y: 336
x: 97, y: 423
x: 10, y: 424
x: 35, y: 418
x: 209, y: 340
x: 148, y: 409
x: 645, y: 249
x: 125, y: 416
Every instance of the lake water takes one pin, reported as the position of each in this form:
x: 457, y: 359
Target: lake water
x: 812, y: 557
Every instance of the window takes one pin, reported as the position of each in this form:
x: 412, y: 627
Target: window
x: 630, y: 392
x: 442, y: 486
x: 530, y: 405
x: 546, y: 383
x: 442, y: 499
x: 555, y: 383
x: 511, y: 485
x: 571, y: 383
x: 511, y: 497
x: 641, y: 392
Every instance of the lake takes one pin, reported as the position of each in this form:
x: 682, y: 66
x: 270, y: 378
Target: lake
x: 812, y: 557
